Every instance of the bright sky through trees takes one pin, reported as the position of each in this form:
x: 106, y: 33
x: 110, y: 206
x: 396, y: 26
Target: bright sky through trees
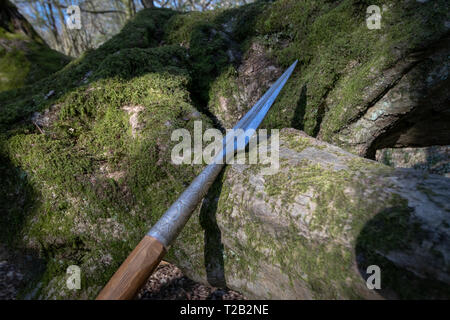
x: 100, y: 18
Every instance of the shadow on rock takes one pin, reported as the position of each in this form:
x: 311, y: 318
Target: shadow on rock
x: 213, y: 251
x: 410, y: 267
x: 17, y: 201
x: 299, y: 112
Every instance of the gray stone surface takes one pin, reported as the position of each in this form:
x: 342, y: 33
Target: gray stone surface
x: 434, y: 159
x: 311, y: 230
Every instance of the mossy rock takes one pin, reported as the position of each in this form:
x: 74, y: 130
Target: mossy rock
x: 24, y: 56
x: 348, y: 73
x: 311, y: 230
x: 87, y: 167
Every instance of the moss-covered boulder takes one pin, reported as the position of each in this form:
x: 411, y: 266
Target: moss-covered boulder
x: 311, y: 230
x: 358, y: 88
x: 24, y: 56
x: 85, y: 156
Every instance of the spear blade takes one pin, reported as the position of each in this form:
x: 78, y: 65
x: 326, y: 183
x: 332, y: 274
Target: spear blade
x: 172, y: 222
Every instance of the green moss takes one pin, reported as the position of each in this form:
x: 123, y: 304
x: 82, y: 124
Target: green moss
x: 324, y: 268
x: 89, y: 169
x: 208, y: 58
x: 387, y: 157
x: 86, y: 190
x: 142, y: 32
x: 297, y: 143
x: 179, y: 28
x: 225, y: 87
x: 345, y: 207
x: 299, y: 258
x: 43, y: 62
x: 24, y: 60
x: 339, y: 57
x: 14, y: 69
x: 4, y: 34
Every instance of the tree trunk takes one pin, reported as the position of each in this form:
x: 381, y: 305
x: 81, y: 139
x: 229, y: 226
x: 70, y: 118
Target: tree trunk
x: 65, y: 35
x: 313, y: 229
x: 147, y: 3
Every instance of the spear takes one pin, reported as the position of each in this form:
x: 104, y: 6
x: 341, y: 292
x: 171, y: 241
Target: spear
x: 143, y: 260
